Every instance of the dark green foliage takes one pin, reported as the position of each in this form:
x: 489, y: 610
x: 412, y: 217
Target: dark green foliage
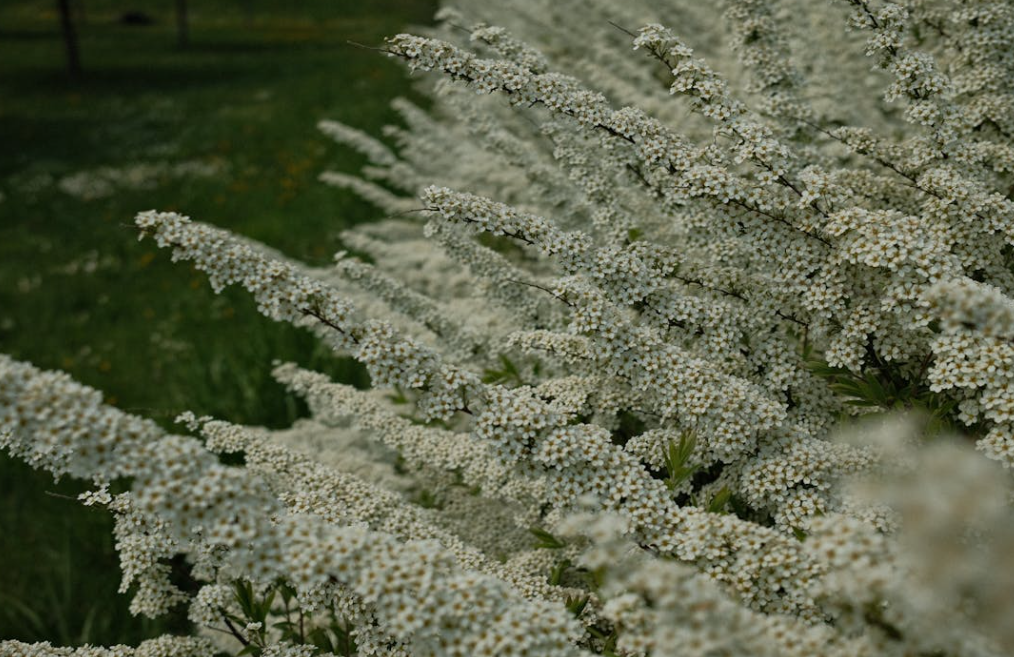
x: 559, y: 570
x: 506, y: 374
x: 546, y: 540
x: 246, y: 94
x: 333, y: 637
x: 428, y: 500
x: 630, y: 426
x: 676, y: 456
x: 720, y: 500
x: 882, y: 386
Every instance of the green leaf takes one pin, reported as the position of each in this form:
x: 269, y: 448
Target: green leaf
x: 245, y: 599
x: 398, y: 396
x: 545, y: 539
x: 556, y: 576
x: 265, y: 606
x: 428, y: 500
x: 595, y: 577
x: 343, y: 635
x: 718, y: 502
x: 319, y: 637
x: 876, y: 391
x: 823, y: 370
x: 675, y: 456
x: 508, y: 372
x: 288, y: 593
x: 576, y: 605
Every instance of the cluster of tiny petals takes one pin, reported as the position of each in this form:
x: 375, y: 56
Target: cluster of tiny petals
x: 419, y: 445
x: 483, y: 215
x: 628, y: 123
x: 763, y: 49
x: 755, y: 142
x: 663, y: 607
x: 885, y: 239
x: 41, y: 405
x: 576, y: 461
x: 206, y: 607
x: 729, y: 410
x: 281, y: 292
x: 917, y: 76
x: 664, y: 372
x: 310, y: 488
x: 238, y: 515
x: 795, y: 477
x: 690, y: 75
x: 370, y: 191
x: 163, y: 646
x: 625, y: 275
x: 967, y: 304
x: 654, y: 356
x: 362, y: 142
x: 508, y: 47
x: 845, y: 255
x: 498, y: 275
x: 489, y: 75
x: 974, y: 352
x: 657, y: 146
x: 418, y: 306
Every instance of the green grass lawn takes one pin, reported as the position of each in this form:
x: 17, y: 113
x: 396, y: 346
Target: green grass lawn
x: 238, y: 108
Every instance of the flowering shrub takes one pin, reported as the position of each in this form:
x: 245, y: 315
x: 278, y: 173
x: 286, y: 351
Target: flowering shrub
x: 630, y: 355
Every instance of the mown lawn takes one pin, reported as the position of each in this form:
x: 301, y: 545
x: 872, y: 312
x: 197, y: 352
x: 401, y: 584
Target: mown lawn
x: 223, y: 131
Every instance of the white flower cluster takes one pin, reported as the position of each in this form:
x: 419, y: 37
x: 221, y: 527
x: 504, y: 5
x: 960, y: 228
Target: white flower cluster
x: 974, y: 356
x: 164, y: 646
x: 522, y: 437
x: 956, y: 533
x: 665, y: 608
x: 229, y: 518
x: 606, y: 375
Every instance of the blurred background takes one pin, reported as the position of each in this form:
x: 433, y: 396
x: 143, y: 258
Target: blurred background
x: 205, y: 107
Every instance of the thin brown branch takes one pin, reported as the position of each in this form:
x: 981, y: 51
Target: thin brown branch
x: 544, y: 289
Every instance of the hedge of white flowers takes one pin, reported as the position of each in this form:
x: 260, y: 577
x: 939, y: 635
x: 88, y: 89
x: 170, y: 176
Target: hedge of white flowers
x: 690, y: 332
